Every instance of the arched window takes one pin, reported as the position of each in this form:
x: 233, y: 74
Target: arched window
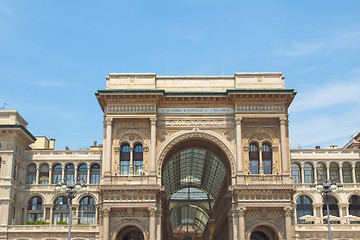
x: 347, y: 173
x: 138, y: 159
x: 56, y: 174
x: 31, y: 174
x: 95, y: 174
x: 125, y: 159
x: 357, y: 172
x: 333, y: 208
x: 354, y: 206
x: 321, y: 173
x: 35, y: 209
x: 44, y: 174
x: 308, y: 173
x: 303, y: 207
x: 267, y: 158
x: 82, y: 172
x: 70, y: 172
x: 296, y: 172
x: 334, y: 172
x: 87, y: 211
x: 254, y: 158
x: 61, y: 210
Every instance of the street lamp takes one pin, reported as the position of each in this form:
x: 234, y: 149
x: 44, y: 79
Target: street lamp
x: 70, y: 188
x: 326, y: 189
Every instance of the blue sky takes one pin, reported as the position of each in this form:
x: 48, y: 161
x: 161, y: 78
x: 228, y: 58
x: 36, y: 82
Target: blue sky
x: 55, y: 54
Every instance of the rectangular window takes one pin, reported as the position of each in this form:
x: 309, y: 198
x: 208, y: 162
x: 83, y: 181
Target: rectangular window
x: 138, y: 167
x: 95, y: 178
x: 31, y: 179
x: 254, y: 166
x: 124, y: 167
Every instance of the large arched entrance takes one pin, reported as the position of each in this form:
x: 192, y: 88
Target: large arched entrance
x: 130, y: 233
x: 263, y: 233
x: 196, y: 174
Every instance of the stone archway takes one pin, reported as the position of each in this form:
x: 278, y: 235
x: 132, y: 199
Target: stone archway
x: 264, y: 232
x: 129, y: 229
x: 130, y: 233
x: 196, y: 169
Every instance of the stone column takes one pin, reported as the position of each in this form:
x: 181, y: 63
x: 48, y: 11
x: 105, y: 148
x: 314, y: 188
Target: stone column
x: 153, y: 145
x: 238, y: 121
x: 288, y: 226
x: 159, y: 225
x: 152, y: 222
x: 235, y: 219
x: 315, y: 173
x: 284, y: 150
x: 341, y: 180
x: 37, y: 177
x: 50, y: 175
x: 353, y: 173
x: 75, y: 172
x: 302, y: 173
x: 231, y: 225
x: 106, y: 223
x: 88, y: 174
x: 131, y: 167
x: 241, y: 234
x: 327, y: 172
x: 261, y: 168
x: 62, y: 172
x: 108, y: 122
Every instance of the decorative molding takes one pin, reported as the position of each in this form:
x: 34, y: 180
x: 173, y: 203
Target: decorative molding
x: 197, y: 134
x: 224, y: 110
x: 152, y: 211
x: 283, y: 120
x: 196, y: 123
x: 153, y: 120
x: 132, y: 108
x: 260, y: 108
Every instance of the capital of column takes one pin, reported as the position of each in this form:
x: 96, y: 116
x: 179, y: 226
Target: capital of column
x: 238, y: 120
x: 106, y: 212
x: 283, y: 120
x: 287, y: 211
x: 242, y: 212
x: 152, y: 211
x: 153, y: 120
x: 108, y: 121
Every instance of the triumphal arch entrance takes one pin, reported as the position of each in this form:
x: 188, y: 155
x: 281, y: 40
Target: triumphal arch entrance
x: 196, y: 157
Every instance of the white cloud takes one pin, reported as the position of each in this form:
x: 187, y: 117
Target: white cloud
x: 328, y: 95
x: 346, y: 38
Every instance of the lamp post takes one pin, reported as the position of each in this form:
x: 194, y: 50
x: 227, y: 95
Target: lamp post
x: 326, y: 189
x: 71, y: 188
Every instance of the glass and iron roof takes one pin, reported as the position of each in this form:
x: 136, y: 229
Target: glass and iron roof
x: 195, y: 168
x: 192, y: 180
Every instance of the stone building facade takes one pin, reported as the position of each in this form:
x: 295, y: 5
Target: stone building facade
x: 183, y: 157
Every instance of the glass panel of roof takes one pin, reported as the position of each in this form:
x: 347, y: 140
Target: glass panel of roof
x: 194, y: 168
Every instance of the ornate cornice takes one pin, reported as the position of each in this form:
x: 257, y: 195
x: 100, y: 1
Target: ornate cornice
x: 132, y: 108
x: 260, y: 108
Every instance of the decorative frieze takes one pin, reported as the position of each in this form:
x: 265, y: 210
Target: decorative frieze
x: 195, y: 110
x: 260, y: 108
x: 196, y: 123
x: 131, y: 108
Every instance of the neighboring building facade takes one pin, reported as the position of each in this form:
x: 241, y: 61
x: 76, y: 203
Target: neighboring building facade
x: 183, y: 157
